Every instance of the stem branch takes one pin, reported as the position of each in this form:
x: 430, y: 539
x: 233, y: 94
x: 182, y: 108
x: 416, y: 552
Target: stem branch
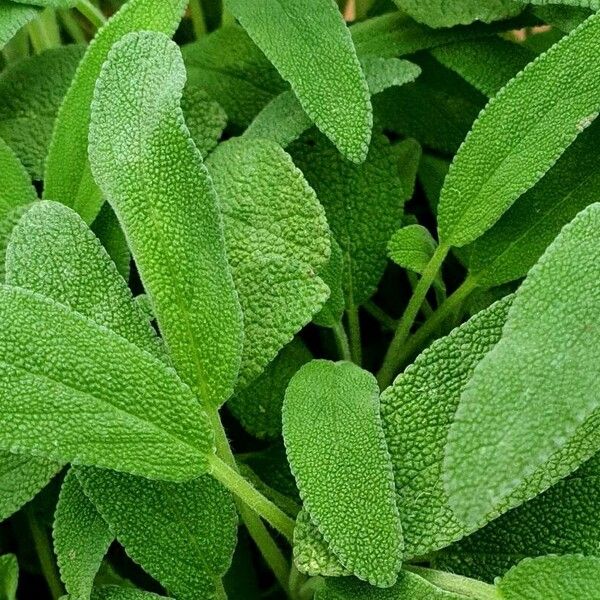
x: 354, y: 331
x: 197, y: 15
x: 94, y: 15
x: 341, y: 340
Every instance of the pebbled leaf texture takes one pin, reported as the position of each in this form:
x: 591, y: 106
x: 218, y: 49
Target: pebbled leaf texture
x: 364, y: 204
x: 417, y: 411
x: 13, y: 17
x: 50, y: 3
x: 205, y: 119
x: 31, y: 92
x: 107, y: 229
x: 81, y: 538
x: 333, y: 276
x: 9, y: 577
x: 153, y: 176
x: 529, y: 396
x: 67, y: 177
x: 521, y: 133
x: 182, y: 534
x: 337, y: 452
x: 446, y: 13
x: 569, y: 577
x: 277, y: 242
x: 310, y: 45
x: 113, y: 592
x: 412, y: 247
x: 57, y: 365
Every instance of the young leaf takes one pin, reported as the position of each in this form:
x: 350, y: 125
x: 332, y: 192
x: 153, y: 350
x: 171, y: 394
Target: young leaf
x: 70, y: 181
x: 333, y: 276
x: 537, y: 386
x: 412, y: 247
x: 258, y: 407
x: 417, y: 411
x: 444, y: 13
x: 569, y: 577
x: 9, y: 577
x: 233, y: 71
x: 81, y: 538
x: 205, y: 119
x: 326, y: 78
x: 13, y: 17
x: 182, y: 534
x: 31, y: 92
x: 363, y: 204
x: 337, y: 452
x: 277, y: 241
x: 521, y: 133
x: 58, y: 366
x: 153, y: 176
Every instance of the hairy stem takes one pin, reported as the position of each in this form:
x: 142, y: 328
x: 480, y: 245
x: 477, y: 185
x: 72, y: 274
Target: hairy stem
x: 341, y: 341
x: 94, y: 15
x: 354, y: 331
x: 392, y: 358
x: 197, y: 15
x: 471, y: 588
x: 41, y: 34
x: 72, y: 26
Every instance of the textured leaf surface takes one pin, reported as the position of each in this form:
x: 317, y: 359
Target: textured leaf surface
x: 107, y: 229
x: 412, y: 247
x: 182, y: 534
x: 31, y: 92
x: 50, y: 3
x: 310, y: 46
x: 12, y: 18
x: 537, y: 386
x: 9, y: 576
x: 81, y: 538
x: 70, y: 181
x: 205, y: 119
x: 417, y: 411
x: 333, y: 276
x: 234, y: 72
x: 363, y: 204
x: 58, y: 366
x: 521, y: 133
x: 569, y: 577
x: 277, y: 241
x: 337, y: 452
x: 258, y: 407
x: 113, y: 592
x: 446, y: 13
x: 153, y: 176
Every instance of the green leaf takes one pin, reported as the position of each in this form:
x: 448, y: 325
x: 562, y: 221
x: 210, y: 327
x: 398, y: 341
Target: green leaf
x: 144, y: 160
x: 337, y: 452
x: 417, y: 411
x: 570, y: 577
x: 364, y: 203
x: 487, y: 64
x: 383, y: 73
x: 13, y: 17
x: 513, y: 245
x: 333, y: 276
x: 444, y: 13
x: 107, y: 229
x: 9, y: 577
x: 50, y: 3
x: 590, y: 4
x: 326, y: 78
x: 31, y: 92
x: 205, y: 119
x: 70, y: 181
x: 277, y: 241
x: 21, y: 478
x: 505, y: 153
x: 258, y: 407
x: 57, y: 366
x: 81, y: 538
x: 536, y: 387
x: 182, y: 534
x: 113, y: 592
x: 233, y: 71
x: 412, y: 247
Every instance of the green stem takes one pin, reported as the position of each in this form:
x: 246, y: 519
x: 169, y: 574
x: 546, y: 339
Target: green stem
x: 471, y: 588
x: 93, y: 14
x: 227, y: 18
x: 72, y: 26
x: 354, y: 334
x: 392, y: 358
x: 256, y: 528
x: 197, y: 15
x: 41, y: 33
x: 45, y: 555
x: 377, y: 313
x: 341, y: 340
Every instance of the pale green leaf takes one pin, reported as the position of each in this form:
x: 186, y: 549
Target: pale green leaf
x: 70, y: 181
x: 182, y: 534
x: 9, y: 577
x: 569, y: 577
x: 153, y: 176
x: 383, y: 73
x: 107, y: 229
x: 113, y: 592
x: 417, y: 411
x: 333, y: 276
x: 58, y: 367
x: 50, y: 3
x: 446, y: 13
x: 234, y: 72
x: 258, y: 406
x: 521, y: 133
x: 277, y: 242
x: 364, y: 203
x: 31, y: 92
x: 205, y: 119
x: 562, y: 17
x: 533, y: 391
x: 13, y: 17
x: 337, y: 452
x: 590, y: 4
x: 81, y: 538
x: 412, y: 247
x: 326, y: 77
